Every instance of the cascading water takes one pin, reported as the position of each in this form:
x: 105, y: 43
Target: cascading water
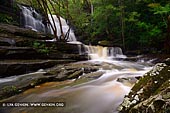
x: 32, y: 19
x: 65, y: 27
x: 104, y: 53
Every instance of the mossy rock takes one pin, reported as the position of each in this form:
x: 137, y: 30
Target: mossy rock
x: 147, y: 90
x: 75, y: 74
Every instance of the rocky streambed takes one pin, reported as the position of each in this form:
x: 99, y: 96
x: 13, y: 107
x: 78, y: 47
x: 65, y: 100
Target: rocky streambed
x: 16, y: 84
x: 87, y: 86
x: 33, y: 69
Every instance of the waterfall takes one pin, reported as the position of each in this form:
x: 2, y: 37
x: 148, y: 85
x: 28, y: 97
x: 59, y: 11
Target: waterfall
x: 104, y: 53
x: 32, y: 19
x: 65, y: 27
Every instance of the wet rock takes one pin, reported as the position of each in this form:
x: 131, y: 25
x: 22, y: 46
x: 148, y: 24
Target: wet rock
x: 17, y: 67
x: 21, y: 83
x: 60, y: 72
x: 9, y: 52
x: 17, y: 31
x: 72, y: 71
x: 93, y: 75
x: 6, y: 42
x: 75, y: 74
x: 127, y: 80
x: 68, y: 74
x: 154, y: 104
x: 151, y: 94
x: 21, y: 43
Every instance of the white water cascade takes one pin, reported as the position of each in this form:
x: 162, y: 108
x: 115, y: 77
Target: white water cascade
x: 65, y: 27
x: 32, y: 19
x: 104, y: 53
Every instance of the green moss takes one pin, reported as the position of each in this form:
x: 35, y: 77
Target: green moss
x: 142, y: 81
x: 151, y: 83
x: 41, y: 47
x: 134, y: 110
x: 75, y: 74
x: 8, y: 91
x: 163, y: 86
x: 4, y: 18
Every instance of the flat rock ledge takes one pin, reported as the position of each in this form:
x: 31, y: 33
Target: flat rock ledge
x: 79, y: 72
x: 18, y: 67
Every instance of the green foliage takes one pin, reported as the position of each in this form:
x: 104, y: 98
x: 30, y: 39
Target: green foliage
x: 161, y: 9
x: 41, y: 47
x: 26, y: 2
x: 10, y: 90
x: 4, y: 18
x: 147, y: 26
x: 142, y: 23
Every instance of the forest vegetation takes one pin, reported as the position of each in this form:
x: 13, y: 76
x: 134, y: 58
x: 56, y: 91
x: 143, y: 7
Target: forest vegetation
x: 131, y: 24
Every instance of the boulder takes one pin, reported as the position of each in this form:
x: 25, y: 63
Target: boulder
x: 21, y: 83
x: 151, y: 94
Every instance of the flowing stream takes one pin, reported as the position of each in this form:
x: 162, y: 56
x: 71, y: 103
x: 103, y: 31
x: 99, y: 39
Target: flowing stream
x: 101, y: 95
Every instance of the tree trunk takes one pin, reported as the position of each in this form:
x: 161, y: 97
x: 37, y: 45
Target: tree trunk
x: 122, y: 23
x: 167, y: 40
x: 62, y: 33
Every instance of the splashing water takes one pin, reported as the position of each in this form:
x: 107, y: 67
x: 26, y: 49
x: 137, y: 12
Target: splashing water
x: 104, y: 53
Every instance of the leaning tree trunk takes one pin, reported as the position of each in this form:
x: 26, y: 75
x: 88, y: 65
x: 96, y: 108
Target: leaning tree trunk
x: 167, y: 40
x: 46, y: 9
x: 61, y: 29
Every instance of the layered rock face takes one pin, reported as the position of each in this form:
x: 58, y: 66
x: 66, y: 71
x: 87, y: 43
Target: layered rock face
x: 26, y: 54
x: 23, y: 50
x: 151, y: 94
